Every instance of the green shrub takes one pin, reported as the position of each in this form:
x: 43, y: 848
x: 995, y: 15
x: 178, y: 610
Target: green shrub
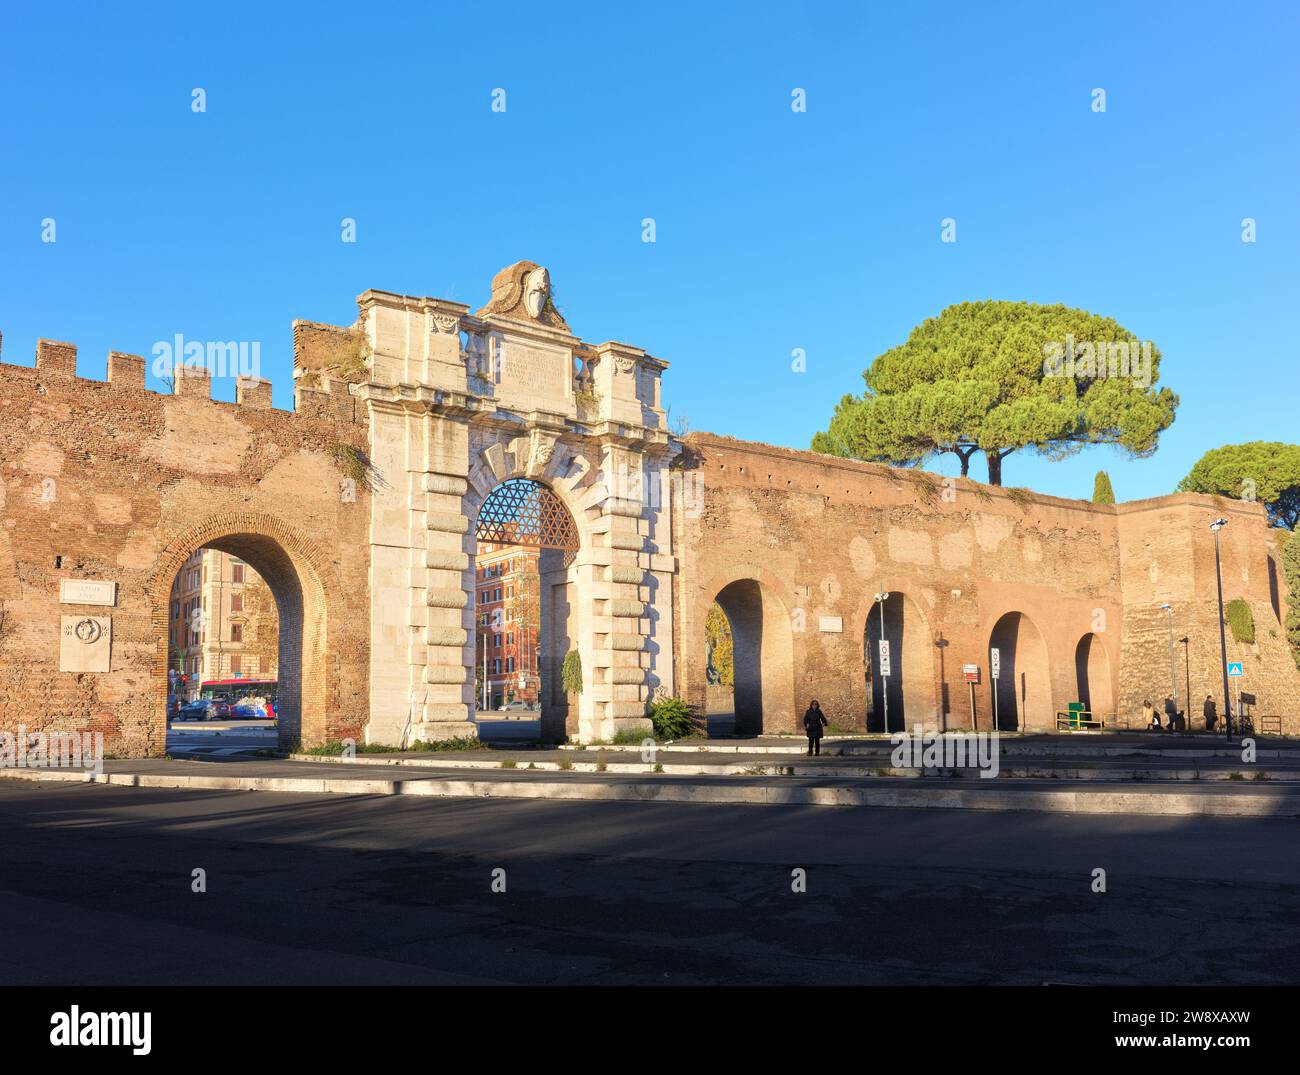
x: 671, y: 717
x: 1241, y: 621
x: 571, y: 672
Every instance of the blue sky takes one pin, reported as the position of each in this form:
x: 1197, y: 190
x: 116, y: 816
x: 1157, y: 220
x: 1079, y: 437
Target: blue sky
x: 775, y: 230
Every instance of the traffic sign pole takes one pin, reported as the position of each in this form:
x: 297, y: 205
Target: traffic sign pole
x: 995, y: 673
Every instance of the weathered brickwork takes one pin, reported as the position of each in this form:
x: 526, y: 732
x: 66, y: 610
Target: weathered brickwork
x: 108, y: 481
x: 821, y: 536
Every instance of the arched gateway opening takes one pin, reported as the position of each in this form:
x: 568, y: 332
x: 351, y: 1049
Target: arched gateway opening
x: 1021, y: 692
x: 242, y: 620
x: 749, y: 653
x: 1092, y: 677
x: 908, y: 692
x: 524, y: 622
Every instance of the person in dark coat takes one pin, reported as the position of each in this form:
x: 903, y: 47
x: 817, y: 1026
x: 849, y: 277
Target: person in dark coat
x: 1211, y: 713
x: 814, y: 720
x: 1171, y: 713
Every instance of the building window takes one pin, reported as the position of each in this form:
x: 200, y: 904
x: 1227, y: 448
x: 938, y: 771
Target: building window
x: 235, y: 666
x: 236, y: 572
x: 236, y: 602
x: 496, y: 666
x: 510, y: 664
x: 236, y: 632
x: 496, y: 641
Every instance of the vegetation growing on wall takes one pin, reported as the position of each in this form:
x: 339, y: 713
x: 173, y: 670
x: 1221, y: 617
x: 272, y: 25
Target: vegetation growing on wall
x: 1291, y: 572
x: 353, y: 463
x: 1240, y: 620
x: 571, y: 672
x: 717, y: 633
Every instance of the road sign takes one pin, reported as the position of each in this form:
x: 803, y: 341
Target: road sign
x: 971, y: 673
x: 995, y: 663
x: 1235, y: 668
x: 884, y: 657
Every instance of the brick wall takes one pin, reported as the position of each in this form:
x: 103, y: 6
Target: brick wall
x: 105, y: 480
x: 821, y: 536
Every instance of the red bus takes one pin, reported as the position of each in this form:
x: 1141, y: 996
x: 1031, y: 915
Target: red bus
x: 233, y: 691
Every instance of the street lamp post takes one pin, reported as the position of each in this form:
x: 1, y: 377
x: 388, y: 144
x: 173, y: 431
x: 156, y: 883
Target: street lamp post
x: 1173, y: 665
x: 1216, y: 526
x: 1187, y: 672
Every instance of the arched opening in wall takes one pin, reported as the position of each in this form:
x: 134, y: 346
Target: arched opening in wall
x: 907, y: 693
x: 749, y: 670
x: 245, y: 648
x: 1021, y: 694
x: 525, y: 625
x: 1092, y: 678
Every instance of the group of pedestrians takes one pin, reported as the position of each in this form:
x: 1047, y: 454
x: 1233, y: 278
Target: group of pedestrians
x: 1176, y: 719
x: 815, y: 723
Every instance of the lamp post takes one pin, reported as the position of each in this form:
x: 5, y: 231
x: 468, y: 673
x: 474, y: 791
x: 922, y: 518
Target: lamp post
x: 1216, y: 526
x: 1187, y: 671
x: 1173, y: 666
x: 880, y: 599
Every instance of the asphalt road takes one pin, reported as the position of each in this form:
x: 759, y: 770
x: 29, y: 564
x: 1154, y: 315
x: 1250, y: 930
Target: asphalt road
x: 95, y: 888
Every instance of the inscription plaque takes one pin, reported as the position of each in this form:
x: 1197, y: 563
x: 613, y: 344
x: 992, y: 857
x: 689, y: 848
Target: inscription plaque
x: 87, y: 592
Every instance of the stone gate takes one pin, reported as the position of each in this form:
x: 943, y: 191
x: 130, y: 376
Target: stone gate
x: 363, y: 508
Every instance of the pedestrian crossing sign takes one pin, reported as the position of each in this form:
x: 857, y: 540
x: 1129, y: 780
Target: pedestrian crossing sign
x: 1234, y: 668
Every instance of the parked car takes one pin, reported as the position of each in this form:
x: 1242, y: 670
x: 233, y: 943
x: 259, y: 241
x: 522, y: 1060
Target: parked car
x: 199, y: 709
x: 516, y: 707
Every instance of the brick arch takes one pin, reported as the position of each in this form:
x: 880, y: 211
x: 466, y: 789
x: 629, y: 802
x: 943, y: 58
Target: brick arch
x: 757, y: 608
x: 294, y: 569
x: 1026, y: 691
x: 917, y: 683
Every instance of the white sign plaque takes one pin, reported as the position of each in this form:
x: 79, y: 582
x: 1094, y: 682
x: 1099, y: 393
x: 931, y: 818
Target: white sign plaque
x: 831, y: 624
x: 87, y: 592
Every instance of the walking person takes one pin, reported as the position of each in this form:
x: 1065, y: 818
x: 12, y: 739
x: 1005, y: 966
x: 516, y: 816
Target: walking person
x: 1150, y: 718
x: 814, y: 720
x: 1211, y: 712
x: 1171, y: 713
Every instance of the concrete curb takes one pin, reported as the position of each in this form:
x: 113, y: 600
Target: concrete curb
x: 672, y: 767
x: 1048, y: 800
x: 1010, y: 748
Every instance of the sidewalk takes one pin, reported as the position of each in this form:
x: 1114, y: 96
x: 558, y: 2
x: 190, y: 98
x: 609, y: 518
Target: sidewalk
x: 1220, y: 798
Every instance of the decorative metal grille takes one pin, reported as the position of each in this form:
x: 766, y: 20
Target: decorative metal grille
x: 521, y: 511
